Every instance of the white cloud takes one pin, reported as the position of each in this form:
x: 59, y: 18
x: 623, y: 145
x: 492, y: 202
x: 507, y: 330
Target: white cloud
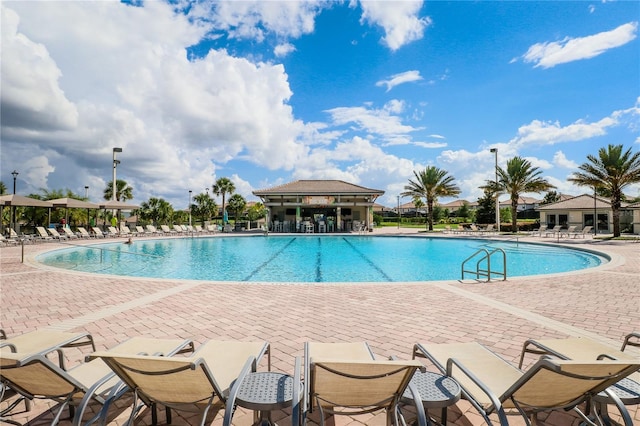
x: 549, y: 133
x: 399, y: 19
x: 430, y: 145
x: 550, y: 54
x: 284, y: 49
x: 561, y: 160
x: 397, y: 79
x: 377, y: 121
x: 31, y: 94
x: 254, y: 18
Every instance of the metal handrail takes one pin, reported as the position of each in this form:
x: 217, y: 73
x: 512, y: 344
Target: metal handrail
x: 485, y: 273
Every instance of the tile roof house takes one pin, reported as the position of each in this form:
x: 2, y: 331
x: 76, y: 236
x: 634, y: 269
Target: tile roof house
x: 580, y: 211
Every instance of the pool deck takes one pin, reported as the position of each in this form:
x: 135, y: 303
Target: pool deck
x: 602, y: 303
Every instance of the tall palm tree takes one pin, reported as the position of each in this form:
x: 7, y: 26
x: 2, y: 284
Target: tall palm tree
x: 237, y: 204
x: 123, y: 191
x: 430, y: 184
x: 519, y: 177
x: 223, y: 186
x: 156, y: 211
x: 3, y: 188
x: 610, y: 173
x: 203, y: 207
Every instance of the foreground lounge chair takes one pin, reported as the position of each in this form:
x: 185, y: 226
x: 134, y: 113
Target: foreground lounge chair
x: 56, y: 235
x: 583, y: 349
x: 68, y: 233
x: 36, y: 376
x: 347, y: 376
x: 553, y: 232
x: 42, y: 234
x: 584, y: 232
x: 97, y: 232
x: 492, y: 385
x: 83, y: 232
x: 542, y: 229
x: 190, y: 384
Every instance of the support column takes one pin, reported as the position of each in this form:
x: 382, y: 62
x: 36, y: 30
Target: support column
x: 339, y: 219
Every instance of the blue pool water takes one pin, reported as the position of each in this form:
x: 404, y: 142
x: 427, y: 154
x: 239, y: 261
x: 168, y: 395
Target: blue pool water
x: 312, y: 258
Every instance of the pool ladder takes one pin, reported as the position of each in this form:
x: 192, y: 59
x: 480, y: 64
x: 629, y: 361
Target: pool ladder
x: 485, y: 255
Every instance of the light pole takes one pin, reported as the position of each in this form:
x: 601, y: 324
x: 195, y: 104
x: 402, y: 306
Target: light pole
x: 495, y: 151
x: 595, y: 211
x: 86, y: 192
x: 398, y: 212
x: 190, y: 207
x: 15, y: 176
x: 207, y: 189
x: 115, y: 164
x: 13, y: 208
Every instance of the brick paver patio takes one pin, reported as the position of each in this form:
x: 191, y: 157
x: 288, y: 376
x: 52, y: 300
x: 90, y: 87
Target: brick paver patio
x: 603, y: 303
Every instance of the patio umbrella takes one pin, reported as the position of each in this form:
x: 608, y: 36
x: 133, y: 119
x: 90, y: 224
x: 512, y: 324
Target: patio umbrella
x: 15, y: 200
x: 72, y: 203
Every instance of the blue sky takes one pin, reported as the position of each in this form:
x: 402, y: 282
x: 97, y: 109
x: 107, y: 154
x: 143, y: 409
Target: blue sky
x: 266, y: 92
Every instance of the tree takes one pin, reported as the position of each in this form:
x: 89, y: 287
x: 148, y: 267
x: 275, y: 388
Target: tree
x: 430, y: 184
x: 123, y: 191
x: 486, y: 211
x: 156, y: 210
x: 237, y: 203
x: 610, y: 172
x: 223, y: 186
x: 203, y: 207
x: 550, y: 197
x: 519, y: 177
x: 3, y: 188
x: 257, y: 211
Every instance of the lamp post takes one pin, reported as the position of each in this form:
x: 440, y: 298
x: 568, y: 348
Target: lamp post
x: 115, y: 164
x: 398, y: 212
x: 495, y: 151
x: 13, y: 208
x: 86, y: 192
x: 15, y: 176
x: 190, y: 207
x: 595, y: 211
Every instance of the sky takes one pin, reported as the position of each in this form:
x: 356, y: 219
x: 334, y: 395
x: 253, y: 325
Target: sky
x: 266, y: 92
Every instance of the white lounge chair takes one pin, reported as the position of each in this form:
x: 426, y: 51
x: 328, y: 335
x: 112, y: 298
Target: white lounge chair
x: 97, y: 232
x: 42, y: 234
x: 582, y: 233
x: 83, y: 232
x: 68, y: 233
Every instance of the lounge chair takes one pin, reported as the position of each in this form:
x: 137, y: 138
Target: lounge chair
x: 190, y: 384
x: 570, y: 230
x: 42, y: 234
x: 83, y: 232
x: 492, y: 385
x: 152, y: 230
x: 198, y: 229
x: 584, y: 232
x: 68, y: 233
x: 542, y: 229
x: 178, y: 229
x: 8, y: 241
x: 112, y: 231
x: 166, y: 230
x: 35, y: 375
x: 347, y: 376
x: 97, y: 232
x: 56, y: 235
x: 553, y: 232
x: 584, y: 349
x: 141, y: 230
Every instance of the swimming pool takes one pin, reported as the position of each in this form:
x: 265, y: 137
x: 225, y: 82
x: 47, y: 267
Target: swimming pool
x: 312, y: 258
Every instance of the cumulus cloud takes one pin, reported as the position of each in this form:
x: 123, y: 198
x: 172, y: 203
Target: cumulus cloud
x: 550, y: 54
x: 561, y: 160
x: 283, y: 49
x: 549, y: 133
x: 397, y: 79
x: 399, y: 19
x: 253, y: 19
x: 31, y: 94
x: 376, y: 121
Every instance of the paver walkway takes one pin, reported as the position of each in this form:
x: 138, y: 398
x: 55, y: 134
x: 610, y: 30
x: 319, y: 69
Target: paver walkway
x: 603, y: 303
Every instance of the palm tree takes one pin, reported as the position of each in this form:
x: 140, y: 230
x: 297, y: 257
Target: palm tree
x: 223, y: 186
x: 430, y: 184
x: 123, y: 191
x: 237, y: 203
x: 3, y: 188
x: 156, y: 211
x: 610, y: 173
x: 519, y: 177
x: 418, y: 204
x: 203, y: 207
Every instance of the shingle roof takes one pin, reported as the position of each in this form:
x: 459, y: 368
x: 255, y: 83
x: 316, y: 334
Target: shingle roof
x: 584, y: 201
x: 325, y: 187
